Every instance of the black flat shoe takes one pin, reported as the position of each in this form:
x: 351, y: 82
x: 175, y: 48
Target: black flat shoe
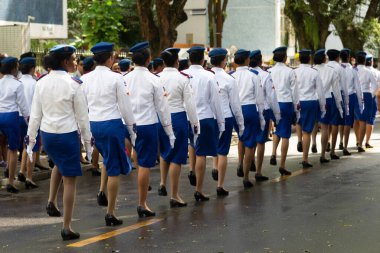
x: 51, y: 163
x: 52, y: 211
x: 306, y: 165
x: 360, y: 149
x: 175, y: 203
x: 328, y: 148
x: 323, y: 160
x: 192, y: 178
x: 253, y: 167
x: 341, y: 146
x: 239, y: 171
x: 21, y: 177
x: 261, y: 178
x: 334, y: 157
x: 273, y: 160
x: 112, y: 220
x: 367, y: 145
x: 12, y: 189
x: 200, y: 197
x: 221, y: 192
x: 346, y: 152
x: 162, y: 191
x: 214, y: 174
x: 69, y: 235
x: 299, y: 147
x: 247, y: 184
x: 102, y: 199
x: 284, y: 172
x: 144, y: 212
x: 314, y: 149
x: 30, y: 185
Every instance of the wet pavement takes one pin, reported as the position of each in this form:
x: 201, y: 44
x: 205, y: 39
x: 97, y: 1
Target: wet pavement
x: 329, y: 208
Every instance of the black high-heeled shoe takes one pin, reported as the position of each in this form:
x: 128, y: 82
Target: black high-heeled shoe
x: 12, y: 189
x: 260, y: 178
x: 314, y: 149
x: 284, y: 172
x: 214, y: 174
x: 175, y: 203
x: 221, y: 192
x: 102, y: 199
x: 273, y: 160
x: 334, y: 157
x: 192, y: 178
x: 323, y: 160
x: 306, y: 165
x: 69, y: 235
x: 200, y: 197
x: 21, y: 177
x: 52, y: 211
x: 346, y: 152
x: 30, y: 184
x: 247, y: 184
x: 239, y: 171
x: 112, y: 220
x: 162, y: 191
x: 144, y: 212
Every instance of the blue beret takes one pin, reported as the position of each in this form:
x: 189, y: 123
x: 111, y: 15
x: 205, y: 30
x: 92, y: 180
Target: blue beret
x: 102, y: 47
x: 88, y: 61
x: 139, y: 46
x: 242, y: 52
x: 320, y: 52
x: 124, y: 63
x: 172, y: 50
x: 346, y: 50
x: 254, y: 53
x: 369, y: 57
x: 305, y: 52
x: 361, y: 53
x: 280, y: 49
x: 196, y: 48
x: 28, y: 60
x: 218, y: 52
x: 158, y: 61
x: 62, y: 49
x: 9, y: 60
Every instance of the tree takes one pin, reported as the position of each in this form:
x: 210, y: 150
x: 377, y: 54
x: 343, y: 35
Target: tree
x: 216, y: 16
x: 159, y: 20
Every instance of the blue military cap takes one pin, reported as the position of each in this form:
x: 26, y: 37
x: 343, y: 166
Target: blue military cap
x: 320, y: 52
x: 28, y: 60
x: 139, y: 46
x: 102, y: 47
x: 280, y: 49
x: 305, y: 52
x: 361, y: 53
x: 8, y: 60
x: 218, y: 52
x: 242, y: 52
x: 124, y: 63
x: 196, y: 48
x: 255, y: 53
x: 172, y: 50
x: 158, y: 61
x: 333, y: 54
x: 88, y: 61
x: 62, y: 49
x: 346, y: 50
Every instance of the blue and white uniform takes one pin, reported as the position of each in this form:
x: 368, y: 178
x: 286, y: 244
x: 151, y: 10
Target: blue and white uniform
x: 376, y: 74
x: 209, y: 108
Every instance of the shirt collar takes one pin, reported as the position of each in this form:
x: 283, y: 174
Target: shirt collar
x: 217, y: 69
x: 196, y: 67
x: 241, y: 68
x: 141, y: 68
x: 169, y: 69
x: 305, y: 65
x: 280, y: 64
x: 102, y: 68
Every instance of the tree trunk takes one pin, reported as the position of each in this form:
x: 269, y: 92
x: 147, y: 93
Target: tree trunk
x: 211, y: 25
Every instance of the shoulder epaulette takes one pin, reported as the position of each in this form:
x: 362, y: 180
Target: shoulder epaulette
x: 157, y: 73
x: 126, y: 73
x: 116, y: 72
x: 254, y: 71
x: 77, y: 79
x: 231, y: 72
x: 210, y: 71
x: 154, y: 74
x: 344, y: 66
x: 184, y: 74
x: 42, y: 76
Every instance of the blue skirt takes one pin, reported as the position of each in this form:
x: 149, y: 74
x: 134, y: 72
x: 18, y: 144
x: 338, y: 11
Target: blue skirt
x: 310, y: 113
x: 367, y: 112
x: 9, y: 122
x: 178, y: 154
x: 284, y: 128
x: 251, y: 125
x: 24, y: 131
x: 327, y: 119
x: 224, y: 142
x: 191, y: 135
x: 207, y: 141
x: 349, y: 119
x: 147, y: 145
x: 374, y: 111
x: 336, y: 120
x: 262, y: 138
x: 64, y: 150
x: 109, y: 140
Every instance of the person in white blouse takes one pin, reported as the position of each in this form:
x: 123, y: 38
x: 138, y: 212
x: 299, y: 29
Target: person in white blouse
x: 148, y: 100
x: 230, y: 100
x: 210, y: 115
x: 107, y: 101
x: 12, y: 99
x: 311, y: 100
x: 60, y: 119
x: 181, y: 101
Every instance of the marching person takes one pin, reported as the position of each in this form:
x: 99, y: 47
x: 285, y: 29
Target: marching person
x: 229, y: 95
x: 148, y: 100
x: 371, y: 122
x: 60, y: 119
x: 125, y: 65
x: 12, y: 99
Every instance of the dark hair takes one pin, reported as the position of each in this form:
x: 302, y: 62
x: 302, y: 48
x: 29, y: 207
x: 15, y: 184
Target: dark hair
x: 256, y: 61
x: 102, y: 57
x: 47, y: 62
x: 345, y: 56
x: 279, y: 56
x: 368, y: 62
x: 319, y: 58
x: 304, y: 58
x: 6, y: 69
x: 240, y: 59
x: 217, y: 60
x: 183, y: 64
x: 57, y: 59
x: 140, y: 57
x: 26, y: 68
x: 157, y: 64
x: 170, y: 58
x: 88, y: 67
x: 333, y: 55
x: 360, y: 59
x: 28, y: 54
x: 196, y: 57
x: 150, y: 66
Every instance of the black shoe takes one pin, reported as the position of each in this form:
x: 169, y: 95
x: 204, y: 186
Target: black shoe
x: 299, y: 147
x: 247, y: 184
x: 6, y: 173
x: 175, y: 203
x: 112, y: 220
x: 334, y: 157
x: 328, y: 148
x: 360, y: 149
x: 367, y: 145
x: 273, y: 160
x: 323, y: 160
x: 144, y: 212
x: 102, y: 199
x: 95, y: 172
x: 239, y: 171
x: 346, y: 152
x: 149, y: 188
x: 260, y: 178
x: 30, y: 184
x: 192, y: 178
x: 214, y: 174
x: 51, y: 163
x: 52, y: 211
x: 12, y: 189
x: 284, y: 172
x: 41, y: 167
x: 306, y: 165
x: 341, y: 146
x: 200, y: 197
x: 21, y: 177
x: 221, y: 192
x: 69, y: 235
x: 253, y: 166
x: 314, y: 149
x: 162, y: 191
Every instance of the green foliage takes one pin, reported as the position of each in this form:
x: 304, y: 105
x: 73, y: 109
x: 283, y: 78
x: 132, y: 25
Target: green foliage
x: 370, y: 31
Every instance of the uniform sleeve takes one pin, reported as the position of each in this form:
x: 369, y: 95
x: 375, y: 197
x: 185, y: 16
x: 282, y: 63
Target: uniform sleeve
x: 35, y: 115
x: 336, y: 91
x: 124, y: 103
x: 358, y: 88
x: 162, y: 108
x: 233, y: 97
x: 81, y: 116
x: 259, y: 94
x: 321, y: 93
x: 21, y: 101
x: 294, y: 88
x: 343, y: 85
x: 374, y: 84
x: 271, y: 94
x: 216, y: 104
x: 189, y: 100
